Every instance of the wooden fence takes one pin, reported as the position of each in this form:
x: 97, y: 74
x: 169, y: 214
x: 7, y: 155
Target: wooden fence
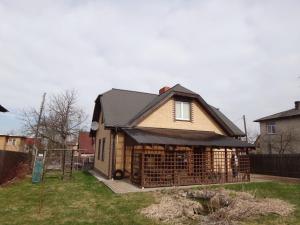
x: 9, y: 162
x: 287, y: 165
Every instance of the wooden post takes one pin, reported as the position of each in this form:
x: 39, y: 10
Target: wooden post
x: 226, y: 166
x: 248, y: 164
x: 72, y: 158
x: 131, y: 166
x: 142, y: 169
x: 245, y: 127
x: 212, y: 159
x: 63, y: 163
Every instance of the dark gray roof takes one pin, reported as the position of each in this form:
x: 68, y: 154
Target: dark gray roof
x: 122, y: 108
x: 183, y: 137
x: 228, y: 122
x: 2, y: 109
x: 179, y: 88
x: 281, y: 115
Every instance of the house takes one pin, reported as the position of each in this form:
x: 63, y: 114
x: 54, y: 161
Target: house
x: 280, y: 132
x: 12, y: 143
x: 86, y: 150
x: 2, y: 109
x: 166, y: 139
x: 85, y: 143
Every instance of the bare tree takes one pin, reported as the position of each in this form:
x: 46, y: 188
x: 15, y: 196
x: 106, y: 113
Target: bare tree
x: 60, y: 121
x: 281, y: 142
x: 252, y: 135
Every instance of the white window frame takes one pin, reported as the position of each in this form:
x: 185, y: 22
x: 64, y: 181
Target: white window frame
x: 12, y: 141
x: 181, y: 117
x: 271, y: 128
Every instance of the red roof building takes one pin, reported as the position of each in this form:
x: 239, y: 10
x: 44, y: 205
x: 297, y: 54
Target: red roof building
x: 85, y: 143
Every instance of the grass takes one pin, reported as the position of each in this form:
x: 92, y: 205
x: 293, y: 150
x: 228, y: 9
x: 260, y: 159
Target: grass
x: 84, y: 200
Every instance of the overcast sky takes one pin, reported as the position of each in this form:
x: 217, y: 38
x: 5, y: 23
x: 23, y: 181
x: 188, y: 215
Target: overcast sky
x: 240, y: 56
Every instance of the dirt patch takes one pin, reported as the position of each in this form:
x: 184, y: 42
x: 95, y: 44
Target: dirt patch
x: 213, y: 207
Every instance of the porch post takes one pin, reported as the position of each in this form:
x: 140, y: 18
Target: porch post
x: 248, y: 164
x: 212, y: 159
x: 142, y: 169
x: 226, y: 166
x: 131, y: 166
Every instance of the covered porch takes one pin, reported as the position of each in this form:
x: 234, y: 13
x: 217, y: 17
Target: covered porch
x: 165, y: 157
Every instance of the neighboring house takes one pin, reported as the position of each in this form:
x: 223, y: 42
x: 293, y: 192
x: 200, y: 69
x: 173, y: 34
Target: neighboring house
x: 12, y: 143
x: 280, y: 133
x: 85, y: 143
x: 173, y: 138
x: 86, y: 150
x: 2, y: 109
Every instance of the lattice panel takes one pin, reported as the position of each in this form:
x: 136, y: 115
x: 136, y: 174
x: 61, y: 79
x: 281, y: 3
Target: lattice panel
x: 153, y: 168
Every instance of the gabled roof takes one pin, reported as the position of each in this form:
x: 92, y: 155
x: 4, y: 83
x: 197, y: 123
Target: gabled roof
x: 123, y: 108
x: 2, y: 109
x: 281, y: 115
x: 120, y: 106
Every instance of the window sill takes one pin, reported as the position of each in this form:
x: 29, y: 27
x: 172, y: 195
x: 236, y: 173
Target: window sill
x: 183, y: 120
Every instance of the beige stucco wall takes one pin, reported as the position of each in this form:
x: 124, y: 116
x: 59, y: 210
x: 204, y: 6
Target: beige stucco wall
x: 103, y: 166
x: 285, y: 128
x: 163, y: 117
x: 5, y: 145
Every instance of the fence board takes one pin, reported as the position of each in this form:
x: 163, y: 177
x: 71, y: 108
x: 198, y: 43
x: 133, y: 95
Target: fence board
x: 287, y: 165
x: 8, y: 163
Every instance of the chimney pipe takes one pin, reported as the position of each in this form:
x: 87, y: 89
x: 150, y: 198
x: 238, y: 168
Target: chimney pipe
x: 297, y: 105
x: 163, y: 90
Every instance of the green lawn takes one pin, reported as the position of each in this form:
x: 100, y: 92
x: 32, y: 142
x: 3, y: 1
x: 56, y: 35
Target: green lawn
x: 84, y: 200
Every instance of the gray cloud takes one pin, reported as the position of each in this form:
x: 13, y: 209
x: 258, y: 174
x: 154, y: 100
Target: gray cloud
x: 241, y: 56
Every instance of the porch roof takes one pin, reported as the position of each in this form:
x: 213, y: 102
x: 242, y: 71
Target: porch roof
x: 183, y: 137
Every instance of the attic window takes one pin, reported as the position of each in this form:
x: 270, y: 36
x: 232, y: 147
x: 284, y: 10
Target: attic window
x: 183, y: 110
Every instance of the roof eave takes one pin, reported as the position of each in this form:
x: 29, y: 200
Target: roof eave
x: 277, y: 118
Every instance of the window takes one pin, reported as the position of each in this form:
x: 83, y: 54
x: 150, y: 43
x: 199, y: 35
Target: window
x: 99, y: 149
x: 183, y: 110
x: 11, y: 142
x: 103, y: 147
x: 271, y: 128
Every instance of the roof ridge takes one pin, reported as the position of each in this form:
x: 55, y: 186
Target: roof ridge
x: 118, y: 89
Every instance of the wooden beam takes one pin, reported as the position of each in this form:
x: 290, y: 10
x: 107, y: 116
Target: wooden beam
x: 226, y: 165
x: 142, y: 169
x: 212, y: 159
